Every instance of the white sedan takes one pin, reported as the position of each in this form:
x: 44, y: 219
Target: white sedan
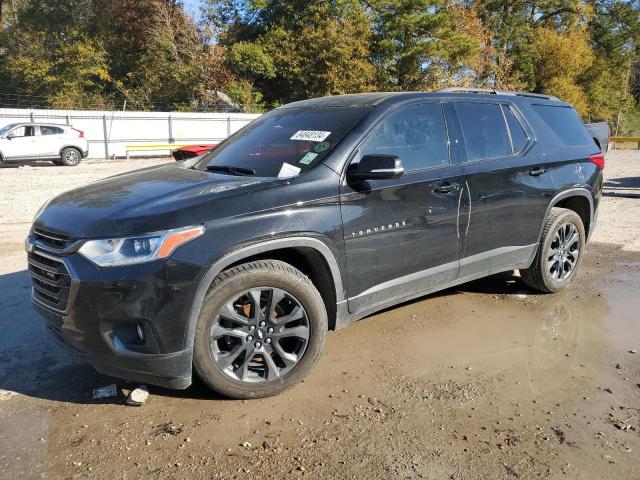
x: 62, y: 144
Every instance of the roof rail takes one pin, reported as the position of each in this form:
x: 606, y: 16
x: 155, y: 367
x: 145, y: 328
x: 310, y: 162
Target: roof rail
x: 494, y: 91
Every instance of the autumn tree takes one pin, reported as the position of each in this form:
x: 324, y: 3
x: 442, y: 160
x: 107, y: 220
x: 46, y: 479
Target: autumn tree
x: 318, y: 50
x: 559, y: 60
x: 176, y: 67
x: 261, y: 53
x: 8, y: 12
x: 148, y: 52
x: 122, y: 26
x: 295, y: 49
x: 49, y: 54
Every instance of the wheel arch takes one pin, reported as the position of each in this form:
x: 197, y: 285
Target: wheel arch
x: 309, y: 255
x: 579, y: 200
x: 75, y: 147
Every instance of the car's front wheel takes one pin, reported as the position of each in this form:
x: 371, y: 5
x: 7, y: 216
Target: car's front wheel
x: 70, y: 157
x: 261, y: 330
x: 559, y: 253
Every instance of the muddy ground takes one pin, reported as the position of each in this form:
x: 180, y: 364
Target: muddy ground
x: 488, y: 380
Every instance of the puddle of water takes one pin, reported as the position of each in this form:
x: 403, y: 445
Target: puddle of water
x: 536, y: 345
x: 542, y: 343
x: 622, y: 324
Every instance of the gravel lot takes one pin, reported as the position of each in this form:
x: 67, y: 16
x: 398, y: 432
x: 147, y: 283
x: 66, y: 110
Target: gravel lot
x: 488, y: 380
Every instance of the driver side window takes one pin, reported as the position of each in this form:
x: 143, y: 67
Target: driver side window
x: 25, y: 131
x: 416, y: 134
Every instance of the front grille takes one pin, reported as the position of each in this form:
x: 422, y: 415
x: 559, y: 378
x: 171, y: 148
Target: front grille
x: 52, y: 240
x: 50, y: 280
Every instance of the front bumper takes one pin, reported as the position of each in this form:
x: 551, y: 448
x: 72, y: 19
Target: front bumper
x: 128, y: 322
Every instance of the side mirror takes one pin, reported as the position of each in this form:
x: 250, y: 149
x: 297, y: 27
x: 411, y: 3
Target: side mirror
x: 11, y: 136
x: 377, y: 167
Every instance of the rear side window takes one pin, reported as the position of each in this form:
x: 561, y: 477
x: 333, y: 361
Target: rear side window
x: 46, y: 130
x: 519, y: 137
x: 565, y: 124
x: 416, y: 134
x: 484, y: 130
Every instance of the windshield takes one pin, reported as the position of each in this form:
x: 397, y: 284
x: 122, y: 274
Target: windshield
x: 283, y: 143
x: 6, y: 128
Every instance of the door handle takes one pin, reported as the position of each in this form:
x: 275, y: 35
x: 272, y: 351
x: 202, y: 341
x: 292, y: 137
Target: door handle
x: 536, y: 172
x: 446, y: 187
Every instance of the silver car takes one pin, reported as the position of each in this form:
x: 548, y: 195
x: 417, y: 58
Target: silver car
x: 62, y: 144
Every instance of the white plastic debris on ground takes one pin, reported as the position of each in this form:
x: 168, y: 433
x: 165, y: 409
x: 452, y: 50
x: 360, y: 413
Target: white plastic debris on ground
x: 138, y: 396
x: 105, y: 392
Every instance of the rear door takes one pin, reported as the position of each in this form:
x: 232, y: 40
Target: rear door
x: 50, y: 141
x: 401, y: 235
x: 507, y: 188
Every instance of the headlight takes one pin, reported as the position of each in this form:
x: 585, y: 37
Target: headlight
x: 144, y: 248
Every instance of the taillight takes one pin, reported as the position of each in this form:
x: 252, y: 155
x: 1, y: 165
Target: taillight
x: 598, y: 160
x: 80, y: 132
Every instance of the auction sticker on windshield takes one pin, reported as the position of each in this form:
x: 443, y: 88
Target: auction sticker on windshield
x: 310, y: 135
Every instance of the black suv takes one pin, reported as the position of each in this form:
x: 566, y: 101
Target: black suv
x: 237, y: 263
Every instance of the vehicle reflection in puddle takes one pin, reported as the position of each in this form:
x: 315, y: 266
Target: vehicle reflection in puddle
x: 555, y: 344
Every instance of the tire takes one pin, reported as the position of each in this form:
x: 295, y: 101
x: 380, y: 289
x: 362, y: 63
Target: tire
x: 70, y: 157
x: 559, y: 253
x: 240, y: 357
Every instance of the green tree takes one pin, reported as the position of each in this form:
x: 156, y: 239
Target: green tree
x: 122, y: 27
x: 290, y: 50
x: 318, y: 50
x: 249, y: 60
x: 416, y: 43
x: 148, y: 51
x: 610, y: 83
x: 49, y: 54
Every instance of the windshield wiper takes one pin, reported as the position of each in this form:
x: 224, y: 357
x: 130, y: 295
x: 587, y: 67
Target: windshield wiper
x: 231, y: 170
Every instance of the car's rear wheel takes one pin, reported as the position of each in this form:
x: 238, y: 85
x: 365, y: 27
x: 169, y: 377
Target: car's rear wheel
x: 261, y: 330
x: 70, y: 157
x: 559, y: 253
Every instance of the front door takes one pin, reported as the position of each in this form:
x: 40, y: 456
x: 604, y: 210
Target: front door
x: 20, y: 144
x: 401, y: 236
x: 50, y: 141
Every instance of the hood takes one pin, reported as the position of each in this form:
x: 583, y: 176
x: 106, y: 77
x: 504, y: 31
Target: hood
x: 143, y: 201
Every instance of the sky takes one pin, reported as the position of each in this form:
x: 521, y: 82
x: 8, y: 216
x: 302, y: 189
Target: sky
x: 191, y: 6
